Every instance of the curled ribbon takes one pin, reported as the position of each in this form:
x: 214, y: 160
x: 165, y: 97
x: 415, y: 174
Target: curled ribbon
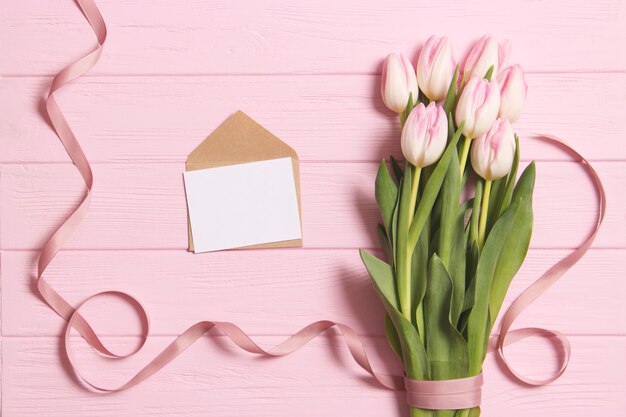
x: 453, y: 394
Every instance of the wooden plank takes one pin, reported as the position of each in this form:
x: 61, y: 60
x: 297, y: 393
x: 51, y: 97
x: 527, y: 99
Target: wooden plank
x: 325, y: 118
x: 142, y: 206
x: 254, y: 289
x: 170, y: 73
x: 213, y: 377
x: 202, y: 37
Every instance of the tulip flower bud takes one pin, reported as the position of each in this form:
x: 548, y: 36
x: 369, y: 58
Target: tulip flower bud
x: 512, y: 92
x: 398, y: 81
x: 484, y: 54
x: 424, y: 135
x: 492, y: 154
x: 478, y: 106
x: 435, y: 68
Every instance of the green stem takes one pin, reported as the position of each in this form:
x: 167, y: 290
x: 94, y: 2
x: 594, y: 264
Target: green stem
x: 420, y: 412
x: 405, y: 251
x: 476, y: 213
x: 482, y: 225
x: 419, y: 314
x: 464, y: 154
x: 405, y: 303
x: 414, y: 187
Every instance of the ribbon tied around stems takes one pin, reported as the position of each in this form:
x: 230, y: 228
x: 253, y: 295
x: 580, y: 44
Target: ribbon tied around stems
x: 453, y: 394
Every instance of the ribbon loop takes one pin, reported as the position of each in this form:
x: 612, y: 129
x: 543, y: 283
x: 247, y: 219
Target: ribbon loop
x: 559, y: 340
x: 549, y: 278
x: 78, y: 322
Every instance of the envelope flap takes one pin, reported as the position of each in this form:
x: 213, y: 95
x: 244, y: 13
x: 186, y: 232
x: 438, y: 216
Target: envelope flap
x: 238, y: 139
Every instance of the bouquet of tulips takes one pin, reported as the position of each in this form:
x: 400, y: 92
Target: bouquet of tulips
x: 453, y: 233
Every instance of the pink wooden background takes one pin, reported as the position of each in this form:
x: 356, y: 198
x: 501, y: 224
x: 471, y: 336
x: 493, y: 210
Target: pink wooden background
x: 308, y: 71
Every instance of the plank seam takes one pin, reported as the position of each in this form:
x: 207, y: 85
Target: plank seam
x: 305, y: 161
x: 296, y: 73
x: 252, y: 334
x: 318, y: 248
x: 312, y: 248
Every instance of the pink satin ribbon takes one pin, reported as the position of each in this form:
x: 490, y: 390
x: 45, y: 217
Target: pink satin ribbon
x: 545, y: 281
x: 454, y: 394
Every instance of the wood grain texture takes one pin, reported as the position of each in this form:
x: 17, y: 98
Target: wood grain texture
x: 213, y: 378
x: 278, y: 36
x: 308, y: 284
x: 309, y: 72
x: 142, y: 206
x: 324, y: 117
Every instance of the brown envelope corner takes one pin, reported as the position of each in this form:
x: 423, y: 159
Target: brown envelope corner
x: 240, y: 139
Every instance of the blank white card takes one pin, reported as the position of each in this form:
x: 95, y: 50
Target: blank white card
x: 241, y: 205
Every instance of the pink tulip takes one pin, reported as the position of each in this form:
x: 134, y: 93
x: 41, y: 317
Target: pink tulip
x: 492, y: 154
x: 435, y: 68
x: 424, y: 135
x: 478, y: 106
x: 398, y: 81
x: 484, y: 54
x: 513, y: 90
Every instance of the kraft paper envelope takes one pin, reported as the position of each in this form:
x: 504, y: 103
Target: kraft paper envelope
x: 239, y: 140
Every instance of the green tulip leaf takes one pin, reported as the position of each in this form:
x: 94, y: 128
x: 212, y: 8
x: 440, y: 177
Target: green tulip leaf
x: 470, y: 284
x: 449, y: 197
x: 516, y: 247
x: 396, y: 169
x: 450, y: 102
x: 382, y: 276
x: 394, y: 229
x: 403, y: 251
x: 451, y: 239
x: 503, y: 253
x: 478, y: 198
x: 510, y: 182
x: 458, y: 265
x: 413, y: 352
x: 446, y: 347
x: 485, y: 271
x: 498, y: 188
x: 392, y: 336
x: 386, y: 195
x: 419, y: 273
x: 383, y: 239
